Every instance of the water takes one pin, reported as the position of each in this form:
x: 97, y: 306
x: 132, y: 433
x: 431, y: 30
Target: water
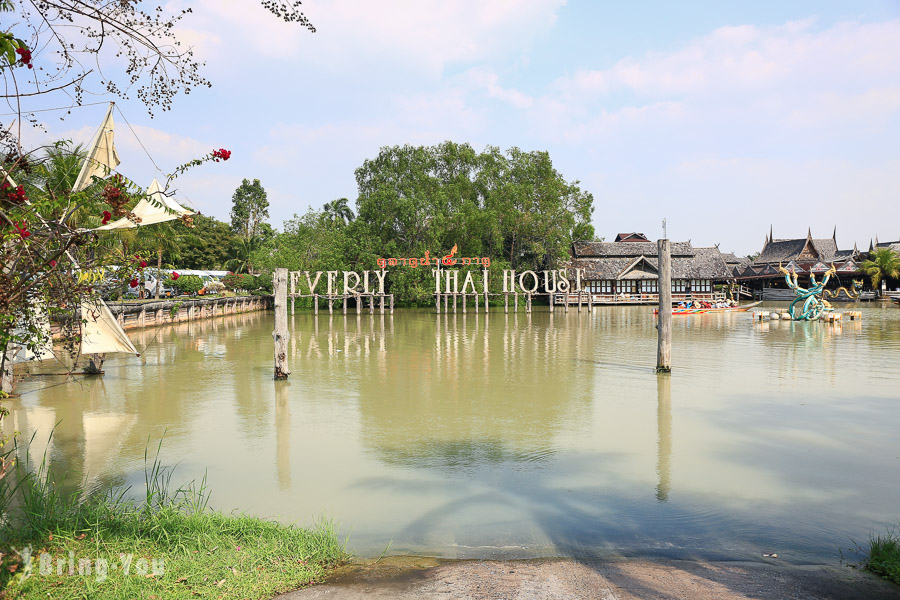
x: 510, y: 435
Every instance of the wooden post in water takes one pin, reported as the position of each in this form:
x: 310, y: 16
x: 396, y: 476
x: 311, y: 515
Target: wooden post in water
x: 281, y: 325
x: 664, y: 320
x: 392, y: 304
x: 316, y: 304
x: 506, y: 304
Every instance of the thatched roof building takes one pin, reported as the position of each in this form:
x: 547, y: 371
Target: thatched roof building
x: 628, y: 268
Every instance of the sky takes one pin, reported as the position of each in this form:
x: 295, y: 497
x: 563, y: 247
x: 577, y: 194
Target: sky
x: 724, y: 118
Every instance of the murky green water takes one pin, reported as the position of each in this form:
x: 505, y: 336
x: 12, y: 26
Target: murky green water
x: 511, y: 435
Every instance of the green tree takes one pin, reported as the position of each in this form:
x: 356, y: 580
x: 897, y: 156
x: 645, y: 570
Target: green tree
x: 250, y: 209
x: 338, y: 212
x: 162, y: 238
x: 209, y: 247
x: 883, y: 264
x: 242, y: 258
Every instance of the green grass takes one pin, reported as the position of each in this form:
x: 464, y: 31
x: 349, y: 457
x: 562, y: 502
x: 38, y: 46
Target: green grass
x: 199, y: 553
x: 884, y: 556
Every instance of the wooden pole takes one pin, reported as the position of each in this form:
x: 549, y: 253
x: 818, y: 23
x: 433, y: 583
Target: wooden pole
x: 281, y: 334
x: 454, y: 304
x: 316, y: 304
x: 345, y: 305
x: 506, y: 304
x: 664, y: 323
x: 476, y: 303
x: 372, y: 304
x: 516, y: 302
x: 392, y: 304
x: 437, y: 303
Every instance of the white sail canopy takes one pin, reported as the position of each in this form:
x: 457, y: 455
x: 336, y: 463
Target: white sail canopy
x: 102, y: 157
x: 150, y: 212
x: 100, y: 332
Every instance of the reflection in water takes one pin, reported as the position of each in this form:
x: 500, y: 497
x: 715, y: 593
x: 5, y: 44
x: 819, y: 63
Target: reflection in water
x: 477, y: 435
x: 283, y: 434
x: 663, y: 434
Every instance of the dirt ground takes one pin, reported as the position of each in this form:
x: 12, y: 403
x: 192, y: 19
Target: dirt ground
x: 416, y: 578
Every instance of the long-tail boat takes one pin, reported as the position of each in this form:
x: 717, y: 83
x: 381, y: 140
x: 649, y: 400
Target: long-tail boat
x: 680, y: 310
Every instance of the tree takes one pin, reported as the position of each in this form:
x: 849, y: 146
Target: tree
x: 883, y: 264
x: 242, y: 257
x: 338, y: 212
x: 250, y: 208
x: 65, y: 49
x: 209, y: 247
x: 162, y: 238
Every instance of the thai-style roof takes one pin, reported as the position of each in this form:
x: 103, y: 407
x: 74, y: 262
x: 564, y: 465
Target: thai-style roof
x: 782, y: 251
x: 629, y: 249
x: 737, y: 264
x: 638, y: 260
x: 631, y: 237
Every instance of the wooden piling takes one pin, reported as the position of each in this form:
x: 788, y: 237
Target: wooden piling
x: 506, y: 304
x: 392, y: 304
x: 664, y: 321
x: 316, y: 304
x: 281, y: 324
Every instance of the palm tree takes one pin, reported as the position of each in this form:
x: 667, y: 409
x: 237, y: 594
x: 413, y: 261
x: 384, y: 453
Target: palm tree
x: 338, y: 211
x: 883, y: 263
x: 243, y: 254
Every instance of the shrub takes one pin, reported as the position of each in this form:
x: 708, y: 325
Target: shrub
x: 215, y: 287
x: 188, y: 284
x: 234, y: 281
x: 263, y: 283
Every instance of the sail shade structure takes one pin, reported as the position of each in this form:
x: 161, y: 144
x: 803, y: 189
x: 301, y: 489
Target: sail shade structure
x: 102, y: 157
x: 150, y: 212
x: 100, y: 332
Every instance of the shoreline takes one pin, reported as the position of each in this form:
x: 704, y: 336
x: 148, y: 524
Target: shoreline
x: 428, y: 578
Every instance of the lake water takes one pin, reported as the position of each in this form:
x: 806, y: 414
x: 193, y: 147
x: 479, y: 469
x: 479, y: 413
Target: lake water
x: 510, y: 435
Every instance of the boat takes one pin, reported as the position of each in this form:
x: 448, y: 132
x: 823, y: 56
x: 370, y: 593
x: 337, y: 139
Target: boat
x: 678, y: 310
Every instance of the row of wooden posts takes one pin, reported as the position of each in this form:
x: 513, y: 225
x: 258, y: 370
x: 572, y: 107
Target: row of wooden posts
x: 281, y: 334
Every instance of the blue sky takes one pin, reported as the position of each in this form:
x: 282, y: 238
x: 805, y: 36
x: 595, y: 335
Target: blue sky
x: 722, y: 117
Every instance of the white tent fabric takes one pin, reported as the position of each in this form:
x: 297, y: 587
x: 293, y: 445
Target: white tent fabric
x: 102, y: 157
x: 100, y: 332
x: 149, y: 212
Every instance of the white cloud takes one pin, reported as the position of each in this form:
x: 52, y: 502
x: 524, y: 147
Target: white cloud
x: 423, y: 34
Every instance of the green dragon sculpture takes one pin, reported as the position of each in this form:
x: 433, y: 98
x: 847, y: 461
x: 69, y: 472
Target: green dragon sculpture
x: 814, y: 306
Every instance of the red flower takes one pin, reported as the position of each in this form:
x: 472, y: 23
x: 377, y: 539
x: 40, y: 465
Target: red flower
x: 25, y: 56
x: 52, y: 263
x: 134, y: 283
x: 143, y: 264
x: 22, y: 228
x: 106, y: 216
x: 221, y: 153
x: 175, y: 275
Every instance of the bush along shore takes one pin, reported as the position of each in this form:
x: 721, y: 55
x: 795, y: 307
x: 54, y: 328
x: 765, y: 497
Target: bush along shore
x: 168, y: 544
x: 884, y: 556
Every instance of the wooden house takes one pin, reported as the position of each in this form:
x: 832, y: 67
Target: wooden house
x: 625, y: 271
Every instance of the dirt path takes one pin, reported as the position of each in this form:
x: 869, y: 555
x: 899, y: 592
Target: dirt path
x: 413, y: 578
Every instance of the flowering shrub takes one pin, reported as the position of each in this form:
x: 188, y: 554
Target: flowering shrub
x: 221, y: 153
x: 234, y: 281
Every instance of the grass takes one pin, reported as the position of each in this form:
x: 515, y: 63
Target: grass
x: 884, y: 556
x: 167, y: 545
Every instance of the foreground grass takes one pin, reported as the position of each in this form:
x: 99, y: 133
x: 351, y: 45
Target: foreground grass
x: 169, y: 545
x: 884, y: 556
